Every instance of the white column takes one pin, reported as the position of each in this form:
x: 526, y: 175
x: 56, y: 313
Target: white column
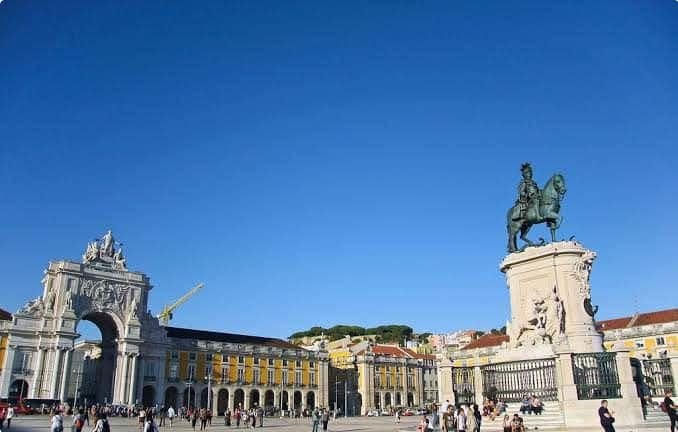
x: 55, y: 373
x: 6, y: 378
x: 34, y: 391
x: 65, y: 372
x: 478, y: 385
x: 133, y: 379
x: 123, y: 379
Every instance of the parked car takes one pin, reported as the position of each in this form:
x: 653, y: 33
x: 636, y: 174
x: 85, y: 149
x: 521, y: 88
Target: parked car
x: 408, y: 412
x: 386, y: 412
x: 421, y: 411
x: 373, y: 413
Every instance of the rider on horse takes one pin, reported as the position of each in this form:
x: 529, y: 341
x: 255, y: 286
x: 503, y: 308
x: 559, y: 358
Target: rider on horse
x: 528, y: 194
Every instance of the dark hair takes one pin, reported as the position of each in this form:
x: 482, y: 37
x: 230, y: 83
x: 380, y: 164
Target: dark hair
x: 604, y: 401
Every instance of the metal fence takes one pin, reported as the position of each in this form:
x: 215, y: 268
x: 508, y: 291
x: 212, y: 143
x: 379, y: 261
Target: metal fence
x: 462, y: 385
x: 596, y: 376
x: 510, y: 382
x: 657, y: 376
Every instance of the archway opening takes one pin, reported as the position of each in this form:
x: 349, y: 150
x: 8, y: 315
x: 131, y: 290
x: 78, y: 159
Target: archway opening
x: 239, y: 399
x: 410, y: 399
x: 387, y: 400
x: 171, y: 397
x: 377, y: 401
x: 206, y: 398
x: 189, y: 397
x: 285, y: 401
x: 399, y: 400
x: 254, y: 398
x: 18, y: 390
x: 222, y: 401
x: 269, y: 399
x: 297, y: 400
x: 94, y: 360
x: 148, y: 396
x: 310, y: 400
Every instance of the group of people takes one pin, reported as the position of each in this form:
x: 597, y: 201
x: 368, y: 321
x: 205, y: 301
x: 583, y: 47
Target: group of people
x: 248, y: 418
x: 320, y: 415
x: 531, y: 404
x: 465, y: 418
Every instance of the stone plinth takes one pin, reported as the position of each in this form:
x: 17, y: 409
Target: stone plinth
x: 551, y: 298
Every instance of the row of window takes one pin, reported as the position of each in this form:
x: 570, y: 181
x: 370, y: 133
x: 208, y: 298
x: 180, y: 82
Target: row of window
x: 192, y: 356
x: 378, y: 381
x: 191, y: 373
x: 659, y: 340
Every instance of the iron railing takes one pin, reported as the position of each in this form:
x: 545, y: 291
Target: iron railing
x: 657, y: 376
x: 596, y: 376
x: 510, y: 382
x: 463, y: 385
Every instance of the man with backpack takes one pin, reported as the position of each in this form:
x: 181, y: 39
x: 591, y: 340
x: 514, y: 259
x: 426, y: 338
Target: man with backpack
x: 102, y: 423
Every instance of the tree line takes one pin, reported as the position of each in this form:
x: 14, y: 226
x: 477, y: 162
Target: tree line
x: 384, y: 333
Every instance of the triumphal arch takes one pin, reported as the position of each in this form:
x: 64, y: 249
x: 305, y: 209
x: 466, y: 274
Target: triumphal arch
x: 100, y: 289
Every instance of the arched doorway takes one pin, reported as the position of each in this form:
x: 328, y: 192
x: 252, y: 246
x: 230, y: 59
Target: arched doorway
x: 285, y: 400
x: 222, y: 401
x: 206, y: 398
x: 387, y: 400
x: 18, y: 389
x: 189, y: 397
x: 410, y: 399
x: 358, y: 410
x: 171, y: 397
x: 239, y: 398
x: 99, y: 378
x: 310, y: 400
x: 377, y: 401
x: 297, y: 400
x: 399, y: 400
x: 269, y: 399
x: 254, y: 398
x: 148, y: 396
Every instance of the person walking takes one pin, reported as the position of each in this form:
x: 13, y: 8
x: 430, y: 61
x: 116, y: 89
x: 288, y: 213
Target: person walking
x: 10, y: 416
x: 203, y: 419
x: 194, y: 418
x: 397, y: 416
x: 170, y: 414
x: 606, y: 418
x: 461, y: 420
x: 149, y: 425
x: 316, y: 420
x: 260, y: 414
x: 57, y: 422
x: 325, y: 418
x: 79, y: 420
x: 238, y: 416
x: 227, y: 417
x: 670, y: 409
x: 101, y: 423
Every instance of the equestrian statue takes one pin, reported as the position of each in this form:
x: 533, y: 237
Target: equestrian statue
x: 534, y: 206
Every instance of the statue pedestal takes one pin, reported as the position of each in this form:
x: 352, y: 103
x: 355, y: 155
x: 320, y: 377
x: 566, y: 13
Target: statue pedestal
x: 551, y: 298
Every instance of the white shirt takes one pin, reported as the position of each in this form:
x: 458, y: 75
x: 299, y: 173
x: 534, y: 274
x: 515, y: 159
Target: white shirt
x: 170, y: 412
x: 10, y: 412
x: 461, y: 422
x: 56, y: 421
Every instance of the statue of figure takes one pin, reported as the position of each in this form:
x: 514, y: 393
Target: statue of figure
x: 50, y: 299
x: 134, y: 312
x: 33, y: 307
x: 119, y: 261
x: 92, y: 252
x: 555, y: 320
x: 107, y: 243
x: 534, y: 207
x: 68, y: 299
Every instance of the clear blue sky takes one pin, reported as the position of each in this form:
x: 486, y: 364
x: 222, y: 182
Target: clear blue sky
x: 317, y: 163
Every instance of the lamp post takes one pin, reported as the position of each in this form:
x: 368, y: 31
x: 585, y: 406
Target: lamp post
x: 188, y: 403
x: 78, y: 375
x: 209, y: 391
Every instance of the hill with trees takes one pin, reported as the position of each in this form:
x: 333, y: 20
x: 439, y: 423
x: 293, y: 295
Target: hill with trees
x: 385, y: 333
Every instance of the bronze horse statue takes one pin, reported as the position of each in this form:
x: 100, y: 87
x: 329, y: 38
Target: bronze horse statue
x: 544, y: 208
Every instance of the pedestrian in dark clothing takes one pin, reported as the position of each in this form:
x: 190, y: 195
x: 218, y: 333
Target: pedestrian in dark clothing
x: 606, y: 418
x: 670, y: 409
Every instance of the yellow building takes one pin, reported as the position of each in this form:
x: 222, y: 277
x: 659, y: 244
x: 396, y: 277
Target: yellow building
x: 242, y: 371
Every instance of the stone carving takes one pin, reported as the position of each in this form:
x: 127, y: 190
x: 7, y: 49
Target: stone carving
x: 50, y: 299
x: 103, y: 252
x: 68, y: 299
x: 545, y: 325
x: 119, y: 261
x: 581, y: 272
x: 534, y: 207
x: 33, y: 307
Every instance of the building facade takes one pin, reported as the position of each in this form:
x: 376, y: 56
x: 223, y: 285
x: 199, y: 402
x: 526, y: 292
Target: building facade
x: 137, y: 359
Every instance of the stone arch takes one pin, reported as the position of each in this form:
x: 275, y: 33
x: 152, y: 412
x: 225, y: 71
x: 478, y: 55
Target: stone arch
x: 171, y: 397
x: 111, y: 329
x: 222, y: 401
x: 18, y: 389
x: 398, y: 399
x: 358, y: 404
x: 189, y: 397
x: 310, y: 400
x: 387, y: 400
x: 239, y: 398
x: 377, y: 400
x: 297, y: 400
x: 254, y: 398
x: 410, y: 399
x: 206, y: 398
x: 269, y: 398
x: 148, y: 396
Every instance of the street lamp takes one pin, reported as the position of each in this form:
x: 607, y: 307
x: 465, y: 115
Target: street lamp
x: 209, y: 391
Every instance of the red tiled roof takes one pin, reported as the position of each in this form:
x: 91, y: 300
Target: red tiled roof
x: 389, y: 350
x: 5, y: 316
x: 488, y: 340
x: 647, y: 318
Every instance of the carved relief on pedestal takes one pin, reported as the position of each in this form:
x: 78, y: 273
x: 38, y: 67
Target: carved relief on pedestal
x: 544, y: 323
